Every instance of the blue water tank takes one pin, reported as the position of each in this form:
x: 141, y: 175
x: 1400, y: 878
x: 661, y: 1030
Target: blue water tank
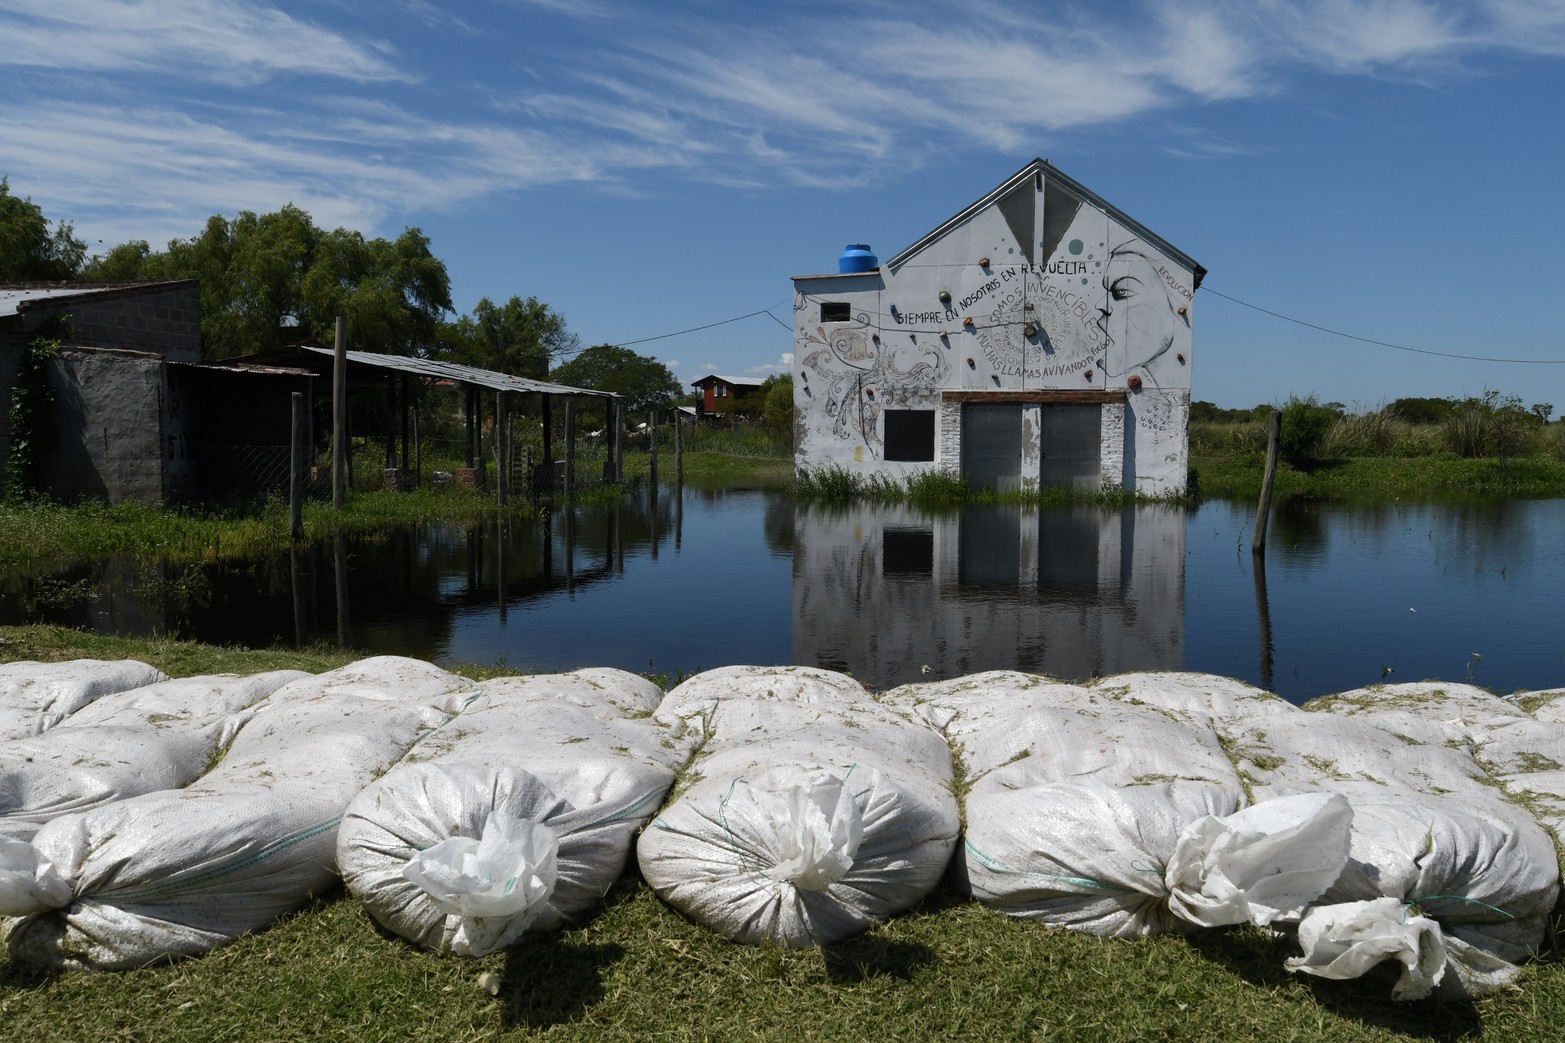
x: 857, y: 258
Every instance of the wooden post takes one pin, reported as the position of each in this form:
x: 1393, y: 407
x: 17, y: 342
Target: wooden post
x: 652, y: 441
x: 618, y: 423
x: 1263, y: 615
x: 570, y: 447
x: 502, y: 448
x: 679, y: 450
x: 403, y: 425
x: 471, y: 425
x: 391, y: 421
x: 296, y: 470
x: 1264, y: 511
x: 548, y: 443
x: 339, y: 413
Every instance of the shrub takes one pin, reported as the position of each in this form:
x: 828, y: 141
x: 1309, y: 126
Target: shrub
x: 1305, y: 424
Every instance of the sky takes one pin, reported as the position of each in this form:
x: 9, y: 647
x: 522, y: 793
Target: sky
x: 1374, y: 187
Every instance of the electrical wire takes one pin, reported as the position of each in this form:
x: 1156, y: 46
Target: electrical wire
x: 1380, y: 343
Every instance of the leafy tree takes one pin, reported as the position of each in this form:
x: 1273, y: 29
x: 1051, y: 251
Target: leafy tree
x: 271, y: 278
x: 1542, y: 410
x: 1422, y: 410
x: 28, y: 249
x: 644, y: 383
x: 777, y: 402
x: 519, y: 337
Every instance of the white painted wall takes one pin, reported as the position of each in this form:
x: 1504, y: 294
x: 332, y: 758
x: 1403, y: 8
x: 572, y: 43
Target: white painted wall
x: 1023, y: 295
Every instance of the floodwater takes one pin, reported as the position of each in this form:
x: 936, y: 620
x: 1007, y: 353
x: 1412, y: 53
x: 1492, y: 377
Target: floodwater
x: 687, y: 580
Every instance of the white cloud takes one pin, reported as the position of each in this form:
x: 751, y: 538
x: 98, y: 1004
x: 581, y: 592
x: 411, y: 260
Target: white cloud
x: 221, y: 40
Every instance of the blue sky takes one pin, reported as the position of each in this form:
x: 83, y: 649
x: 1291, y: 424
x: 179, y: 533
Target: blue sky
x: 1387, y: 169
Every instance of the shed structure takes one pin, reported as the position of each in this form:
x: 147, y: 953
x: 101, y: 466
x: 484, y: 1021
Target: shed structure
x: 393, y: 376
x: 135, y: 414
x: 1041, y: 336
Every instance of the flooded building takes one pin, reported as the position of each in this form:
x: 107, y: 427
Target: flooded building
x: 1041, y: 336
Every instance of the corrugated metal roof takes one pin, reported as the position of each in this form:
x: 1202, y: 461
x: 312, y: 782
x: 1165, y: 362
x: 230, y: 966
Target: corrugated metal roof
x: 451, y: 371
x: 739, y: 381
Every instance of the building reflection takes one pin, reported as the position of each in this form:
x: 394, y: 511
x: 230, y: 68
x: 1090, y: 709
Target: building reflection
x: 894, y: 595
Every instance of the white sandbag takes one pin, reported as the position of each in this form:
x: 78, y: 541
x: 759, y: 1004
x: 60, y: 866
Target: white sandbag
x: 34, y: 697
x: 178, y: 872
x: 1076, y: 800
x: 811, y: 811
x: 1525, y: 755
x: 157, y: 737
x: 1488, y: 883
x: 1299, y: 751
x: 578, y: 755
x: 1428, y: 712
x: 1129, y: 861
x: 1010, y: 729
x: 1221, y: 698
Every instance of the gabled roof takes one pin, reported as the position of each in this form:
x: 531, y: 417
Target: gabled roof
x: 18, y: 297
x: 430, y: 368
x: 736, y: 381
x: 1052, y: 174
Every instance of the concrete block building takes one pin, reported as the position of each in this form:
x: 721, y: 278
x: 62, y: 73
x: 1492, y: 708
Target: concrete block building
x: 1040, y: 336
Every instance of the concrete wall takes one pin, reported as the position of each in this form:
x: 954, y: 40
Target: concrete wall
x: 1038, y: 292
x: 108, y: 427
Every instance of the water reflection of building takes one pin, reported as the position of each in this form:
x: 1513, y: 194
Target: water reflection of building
x: 1078, y: 592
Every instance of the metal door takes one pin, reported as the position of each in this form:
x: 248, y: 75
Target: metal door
x: 992, y: 447
x: 1072, y: 446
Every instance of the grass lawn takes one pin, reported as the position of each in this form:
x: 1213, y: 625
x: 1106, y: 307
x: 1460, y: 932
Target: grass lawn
x: 949, y: 970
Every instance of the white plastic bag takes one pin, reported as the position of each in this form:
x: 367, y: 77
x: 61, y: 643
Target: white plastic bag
x: 578, y: 753
x: 1347, y: 940
x: 761, y: 845
x: 494, y: 886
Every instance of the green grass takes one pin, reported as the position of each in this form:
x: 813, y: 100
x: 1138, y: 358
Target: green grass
x: 1384, y: 478
x: 948, y: 970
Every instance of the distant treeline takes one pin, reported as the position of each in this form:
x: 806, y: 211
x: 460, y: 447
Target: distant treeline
x: 1407, y: 410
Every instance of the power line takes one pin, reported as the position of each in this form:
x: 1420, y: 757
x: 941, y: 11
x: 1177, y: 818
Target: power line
x: 694, y: 329
x: 1381, y: 343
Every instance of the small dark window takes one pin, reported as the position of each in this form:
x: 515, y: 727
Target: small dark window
x: 910, y: 434
x: 836, y: 311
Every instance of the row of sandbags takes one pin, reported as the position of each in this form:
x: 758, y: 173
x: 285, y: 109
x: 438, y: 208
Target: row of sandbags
x: 804, y: 809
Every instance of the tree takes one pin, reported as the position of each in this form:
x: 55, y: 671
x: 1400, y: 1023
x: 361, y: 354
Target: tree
x: 520, y: 337
x: 1542, y: 410
x: 643, y: 382
x: 28, y: 249
x: 777, y: 402
x: 270, y: 278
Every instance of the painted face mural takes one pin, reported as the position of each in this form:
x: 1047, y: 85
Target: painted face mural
x: 1140, y: 314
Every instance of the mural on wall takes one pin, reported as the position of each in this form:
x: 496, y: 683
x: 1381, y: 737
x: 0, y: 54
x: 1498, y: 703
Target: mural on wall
x: 1098, y: 312
x: 856, y: 372
x: 1036, y: 292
